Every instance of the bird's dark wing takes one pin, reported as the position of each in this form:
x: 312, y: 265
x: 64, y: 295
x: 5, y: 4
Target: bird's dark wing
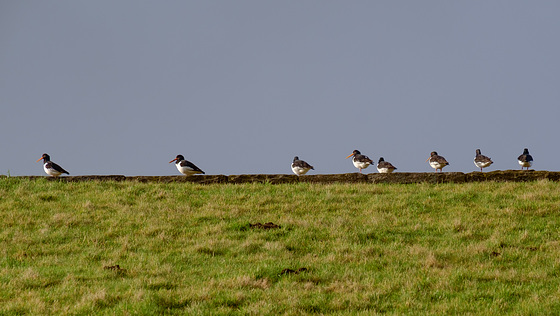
x: 363, y: 158
x: 441, y: 160
x: 56, y: 167
x: 186, y: 163
x: 302, y: 164
x: 525, y: 158
x: 385, y: 164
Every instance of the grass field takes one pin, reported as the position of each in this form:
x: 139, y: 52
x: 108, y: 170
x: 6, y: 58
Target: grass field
x: 359, y: 249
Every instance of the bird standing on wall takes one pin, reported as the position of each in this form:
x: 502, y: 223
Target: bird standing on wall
x: 437, y: 161
x: 186, y: 167
x: 360, y: 161
x: 300, y: 167
x: 50, y: 167
x: 482, y: 161
x: 525, y: 160
x: 385, y: 166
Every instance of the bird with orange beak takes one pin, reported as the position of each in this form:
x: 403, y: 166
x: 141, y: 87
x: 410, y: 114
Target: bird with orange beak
x: 437, y: 161
x: 186, y: 167
x: 360, y: 161
x: 50, y: 167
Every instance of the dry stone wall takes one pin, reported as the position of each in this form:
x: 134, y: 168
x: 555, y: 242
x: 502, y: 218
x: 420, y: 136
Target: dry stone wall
x: 398, y: 177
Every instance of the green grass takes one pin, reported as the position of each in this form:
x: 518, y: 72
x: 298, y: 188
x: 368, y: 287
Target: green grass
x: 476, y: 248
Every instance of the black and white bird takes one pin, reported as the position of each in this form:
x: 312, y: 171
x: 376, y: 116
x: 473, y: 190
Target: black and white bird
x: 186, y: 167
x: 437, y: 161
x: 385, y: 166
x: 300, y: 167
x: 525, y: 160
x: 360, y: 161
x: 50, y: 167
x: 482, y: 161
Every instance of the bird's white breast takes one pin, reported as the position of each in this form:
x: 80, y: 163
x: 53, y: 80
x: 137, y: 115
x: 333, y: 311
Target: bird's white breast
x: 525, y: 163
x: 436, y: 165
x: 482, y: 164
x: 299, y: 170
x: 186, y: 170
x: 385, y: 170
x: 360, y: 165
x: 51, y: 171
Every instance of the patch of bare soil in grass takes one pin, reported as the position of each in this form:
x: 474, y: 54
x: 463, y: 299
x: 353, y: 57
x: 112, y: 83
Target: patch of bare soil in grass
x: 115, y: 268
x: 290, y: 271
x: 269, y: 225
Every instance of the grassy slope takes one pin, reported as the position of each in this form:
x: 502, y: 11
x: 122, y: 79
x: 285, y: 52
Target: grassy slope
x: 488, y: 248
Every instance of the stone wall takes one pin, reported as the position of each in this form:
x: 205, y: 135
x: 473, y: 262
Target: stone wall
x: 397, y: 177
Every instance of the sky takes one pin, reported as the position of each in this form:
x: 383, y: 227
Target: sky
x: 241, y: 87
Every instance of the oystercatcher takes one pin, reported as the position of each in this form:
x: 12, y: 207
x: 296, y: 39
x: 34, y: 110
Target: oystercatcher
x: 385, y: 166
x: 300, y: 167
x: 360, y: 161
x: 437, y: 161
x: 482, y: 161
x: 186, y: 167
x: 50, y: 167
x: 525, y: 160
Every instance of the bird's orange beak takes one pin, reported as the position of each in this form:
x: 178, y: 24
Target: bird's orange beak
x: 173, y: 160
x: 350, y: 156
x: 428, y: 159
x: 39, y: 159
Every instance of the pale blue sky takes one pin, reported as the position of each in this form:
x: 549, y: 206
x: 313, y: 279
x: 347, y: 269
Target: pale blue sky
x: 122, y: 87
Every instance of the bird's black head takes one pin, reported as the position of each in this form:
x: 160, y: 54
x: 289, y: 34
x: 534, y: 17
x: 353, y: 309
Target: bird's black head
x: 354, y: 153
x: 45, y: 158
x: 178, y: 159
x: 478, y: 152
x: 525, y: 151
x: 296, y: 158
x: 434, y: 153
x: 381, y: 159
